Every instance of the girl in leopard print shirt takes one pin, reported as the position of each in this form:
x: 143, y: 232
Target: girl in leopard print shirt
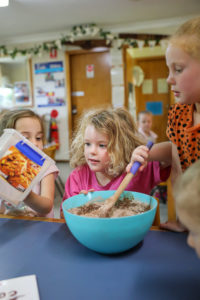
x: 183, y: 61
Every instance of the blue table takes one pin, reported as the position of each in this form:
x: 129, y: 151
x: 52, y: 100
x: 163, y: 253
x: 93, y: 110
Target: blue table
x: 161, y: 267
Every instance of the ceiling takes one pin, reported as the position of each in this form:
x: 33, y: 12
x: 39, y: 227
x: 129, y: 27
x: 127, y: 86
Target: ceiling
x: 35, y: 20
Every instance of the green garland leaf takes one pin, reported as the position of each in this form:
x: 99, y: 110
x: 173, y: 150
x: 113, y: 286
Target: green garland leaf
x: 76, y: 31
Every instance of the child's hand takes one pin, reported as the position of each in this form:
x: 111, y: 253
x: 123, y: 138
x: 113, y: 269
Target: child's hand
x: 86, y: 192
x: 140, y: 154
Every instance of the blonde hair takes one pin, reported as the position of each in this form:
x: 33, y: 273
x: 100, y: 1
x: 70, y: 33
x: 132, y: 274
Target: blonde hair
x: 187, y: 191
x: 187, y: 37
x: 10, y: 117
x: 122, y: 134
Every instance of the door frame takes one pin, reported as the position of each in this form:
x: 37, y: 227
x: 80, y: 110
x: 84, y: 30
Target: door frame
x: 125, y: 47
x: 148, y: 58
x: 68, y: 55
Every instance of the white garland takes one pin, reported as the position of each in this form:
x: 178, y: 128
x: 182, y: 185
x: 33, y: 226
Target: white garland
x: 77, y: 32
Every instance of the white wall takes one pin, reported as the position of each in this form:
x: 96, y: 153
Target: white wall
x: 117, y: 77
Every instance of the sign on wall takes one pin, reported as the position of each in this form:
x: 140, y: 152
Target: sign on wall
x: 156, y: 108
x: 90, y: 71
x: 49, y: 84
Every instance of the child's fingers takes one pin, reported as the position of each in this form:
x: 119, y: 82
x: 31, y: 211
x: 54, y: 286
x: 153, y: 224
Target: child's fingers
x: 128, y: 168
x: 141, y: 168
x: 140, y: 154
x: 140, y: 158
x: 85, y: 192
x: 142, y: 151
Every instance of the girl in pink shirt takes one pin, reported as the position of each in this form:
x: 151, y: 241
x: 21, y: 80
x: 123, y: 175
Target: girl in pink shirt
x: 101, y: 153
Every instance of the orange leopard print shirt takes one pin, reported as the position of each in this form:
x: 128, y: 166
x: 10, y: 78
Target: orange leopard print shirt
x: 180, y: 131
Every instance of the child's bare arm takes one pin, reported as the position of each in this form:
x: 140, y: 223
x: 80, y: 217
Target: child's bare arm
x: 43, y: 203
x: 161, y: 152
x: 176, y: 166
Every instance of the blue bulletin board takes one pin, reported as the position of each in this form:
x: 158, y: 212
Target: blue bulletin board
x: 49, y: 84
x: 156, y: 108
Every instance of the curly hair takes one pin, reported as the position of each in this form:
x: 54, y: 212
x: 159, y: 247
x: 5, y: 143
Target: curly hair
x: 119, y: 126
x: 187, y: 37
x: 8, y: 119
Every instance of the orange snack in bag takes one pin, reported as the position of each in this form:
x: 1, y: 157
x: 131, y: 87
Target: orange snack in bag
x: 18, y: 169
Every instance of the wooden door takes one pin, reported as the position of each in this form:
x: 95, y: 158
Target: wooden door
x: 156, y: 90
x: 90, y: 82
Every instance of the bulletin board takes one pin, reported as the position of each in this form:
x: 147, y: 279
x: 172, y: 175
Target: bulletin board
x: 49, y: 85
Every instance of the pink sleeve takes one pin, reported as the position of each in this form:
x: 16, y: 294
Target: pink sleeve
x: 151, y: 176
x: 72, y: 187
x: 165, y: 173
x: 159, y: 174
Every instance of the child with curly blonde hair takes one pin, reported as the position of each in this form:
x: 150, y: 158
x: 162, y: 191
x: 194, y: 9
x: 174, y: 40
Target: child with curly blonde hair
x: 101, y: 151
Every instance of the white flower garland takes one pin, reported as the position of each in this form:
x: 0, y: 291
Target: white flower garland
x: 77, y: 32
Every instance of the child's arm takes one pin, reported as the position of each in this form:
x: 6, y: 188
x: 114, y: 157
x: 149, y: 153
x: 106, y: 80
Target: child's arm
x: 161, y: 152
x: 43, y: 203
x: 176, y: 166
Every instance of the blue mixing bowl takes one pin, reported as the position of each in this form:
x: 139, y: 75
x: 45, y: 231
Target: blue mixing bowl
x: 109, y: 235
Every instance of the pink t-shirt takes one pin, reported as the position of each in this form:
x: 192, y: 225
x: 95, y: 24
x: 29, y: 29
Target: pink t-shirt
x: 82, y: 178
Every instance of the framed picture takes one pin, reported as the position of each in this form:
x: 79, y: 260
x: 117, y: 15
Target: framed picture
x: 49, y: 84
x: 15, y: 82
x: 21, y: 93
